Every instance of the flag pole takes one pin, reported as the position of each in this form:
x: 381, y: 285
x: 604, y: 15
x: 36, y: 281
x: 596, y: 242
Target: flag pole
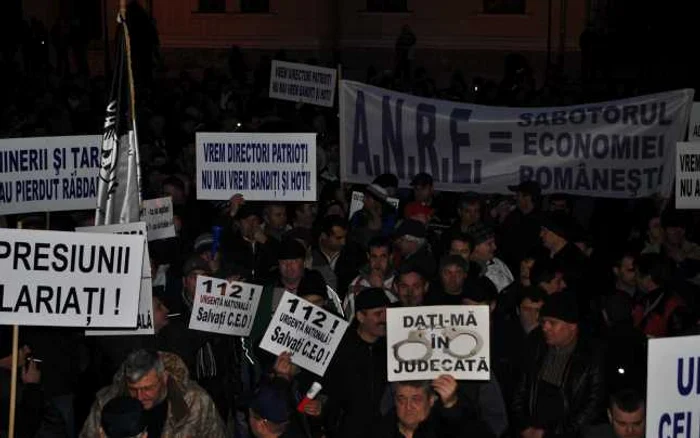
x: 13, y: 373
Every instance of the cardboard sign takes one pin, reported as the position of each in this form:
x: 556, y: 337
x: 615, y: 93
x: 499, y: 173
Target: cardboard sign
x: 261, y: 167
x: 223, y: 307
x: 358, y: 199
x: 426, y: 342
x: 144, y: 323
x: 158, y: 215
x: 49, y: 173
x: 309, y: 332
x: 302, y: 83
x: 673, y: 387
x: 52, y: 278
x: 688, y: 175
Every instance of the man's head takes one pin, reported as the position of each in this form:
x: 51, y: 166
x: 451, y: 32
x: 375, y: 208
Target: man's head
x: 305, y: 214
x: 193, y: 267
x: 484, y: 243
x: 411, y: 286
x: 480, y: 292
x: 334, y: 230
x: 175, y: 188
x: 560, y: 202
x: 423, y: 189
x: 626, y: 413
x: 370, y: 312
x: 388, y: 182
x: 413, y: 401
x: 654, y: 271
x: 674, y: 224
x: 555, y: 231
x: 269, y: 411
x: 453, y: 272
x: 123, y: 417
x: 291, y: 259
x: 248, y: 221
x: 312, y: 288
x: 560, y: 319
x: 531, y: 302
x: 469, y: 209
x: 624, y: 269
x: 527, y: 195
x: 146, y: 378
x: 410, y: 237
x: 461, y: 244
x: 275, y: 216
x: 375, y: 197
x: 546, y: 275
x: 379, y: 255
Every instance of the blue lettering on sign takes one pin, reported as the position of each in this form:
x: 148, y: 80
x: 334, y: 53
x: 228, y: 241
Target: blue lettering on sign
x: 426, y: 131
x: 360, y: 142
x: 685, y: 387
x: 462, y: 172
x: 392, y: 136
x: 600, y: 146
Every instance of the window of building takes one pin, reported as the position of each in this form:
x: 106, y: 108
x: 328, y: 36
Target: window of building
x: 212, y: 6
x: 387, y: 5
x: 255, y: 6
x: 504, y: 6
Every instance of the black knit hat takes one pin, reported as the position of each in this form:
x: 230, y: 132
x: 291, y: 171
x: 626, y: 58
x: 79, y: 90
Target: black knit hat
x: 291, y: 249
x: 410, y: 227
x: 312, y: 283
x: 480, y: 232
x: 371, y: 298
x: 122, y: 417
x: 481, y: 290
x: 562, y: 306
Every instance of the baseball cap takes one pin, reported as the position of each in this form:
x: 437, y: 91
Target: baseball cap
x: 376, y: 191
x: 561, y: 306
x: 195, y: 263
x: 528, y: 187
x: 422, y: 179
x: 270, y: 402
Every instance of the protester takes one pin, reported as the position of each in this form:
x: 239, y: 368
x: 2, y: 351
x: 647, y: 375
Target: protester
x: 519, y: 232
x: 411, y: 286
x: 453, y: 274
x: 412, y: 247
x: 269, y: 411
x: 357, y: 376
x: 420, y: 413
x: 173, y: 404
x: 275, y: 217
x: 377, y: 273
x: 561, y: 391
x: 627, y: 416
x: 484, y: 254
x: 123, y: 417
x: 377, y: 217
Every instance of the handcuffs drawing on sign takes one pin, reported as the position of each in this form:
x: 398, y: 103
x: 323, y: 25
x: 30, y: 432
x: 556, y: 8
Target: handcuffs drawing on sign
x: 451, y: 333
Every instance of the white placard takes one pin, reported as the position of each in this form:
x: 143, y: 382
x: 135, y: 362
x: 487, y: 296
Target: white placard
x: 694, y: 123
x: 158, y: 215
x: 357, y: 202
x: 688, y: 175
x: 144, y: 323
x: 53, y: 278
x: 309, y: 332
x: 223, y: 307
x: 49, y: 173
x: 616, y: 149
x: 302, y: 83
x: 261, y: 167
x: 673, y: 387
x: 426, y: 342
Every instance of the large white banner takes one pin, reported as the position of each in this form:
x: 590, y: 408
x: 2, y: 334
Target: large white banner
x: 49, y: 173
x: 144, y: 322
x: 223, y: 307
x: 261, y: 167
x: 310, y: 333
x: 688, y: 175
x: 425, y: 342
x: 617, y: 149
x: 673, y: 387
x: 53, y: 278
x: 302, y: 83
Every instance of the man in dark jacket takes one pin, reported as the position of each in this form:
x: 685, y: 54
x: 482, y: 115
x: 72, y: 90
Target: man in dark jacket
x: 356, y: 378
x: 413, y: 249
x: 519, y: 233
x: 419, y: 413
x: 561, y: 391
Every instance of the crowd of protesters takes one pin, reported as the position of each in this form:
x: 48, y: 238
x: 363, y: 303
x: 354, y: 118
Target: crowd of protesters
x: 575, y: 286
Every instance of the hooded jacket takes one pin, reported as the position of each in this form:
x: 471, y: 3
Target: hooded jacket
x: 191, y: 412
